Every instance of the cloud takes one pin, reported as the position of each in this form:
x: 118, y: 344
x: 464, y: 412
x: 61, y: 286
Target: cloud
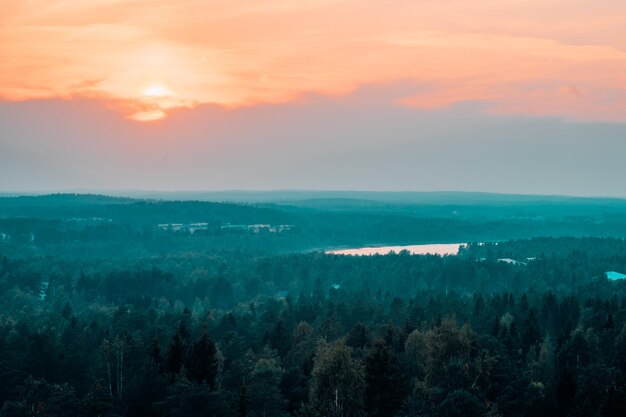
x: 238, y: 54
x: 351, y: 142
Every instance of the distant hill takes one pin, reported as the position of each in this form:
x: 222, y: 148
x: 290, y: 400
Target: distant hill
x: 402, y: 197
x: 139, y: 211
x: 60, y: 199
x: 95, y: 224
x: 421, y: 204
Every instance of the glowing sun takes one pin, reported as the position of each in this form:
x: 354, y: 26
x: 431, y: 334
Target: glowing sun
x: 156, y: 91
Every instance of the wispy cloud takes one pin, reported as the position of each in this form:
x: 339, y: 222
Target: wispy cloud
x: 550, y: 57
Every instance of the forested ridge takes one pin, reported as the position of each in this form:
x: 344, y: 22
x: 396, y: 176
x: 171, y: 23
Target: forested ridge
x: 93, y: 226
x: 123, y: 319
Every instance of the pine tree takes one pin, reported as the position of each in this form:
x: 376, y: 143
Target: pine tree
x: 383, y: 381
x: 203, y: 364
x: 242, y: 403
x: 175, y: 356
x: 155, y: 352
x: 530, y: 333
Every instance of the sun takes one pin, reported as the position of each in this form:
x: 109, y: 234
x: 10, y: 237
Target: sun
x: 156, y: 91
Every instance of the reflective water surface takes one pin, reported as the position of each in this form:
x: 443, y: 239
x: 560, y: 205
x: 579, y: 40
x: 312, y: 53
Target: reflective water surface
x: 430, y: 249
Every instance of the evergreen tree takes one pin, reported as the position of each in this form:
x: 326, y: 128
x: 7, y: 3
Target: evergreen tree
x: 203, y: 364
x: 383, y: 381
x: 175, y: 356
x: 530, y: 333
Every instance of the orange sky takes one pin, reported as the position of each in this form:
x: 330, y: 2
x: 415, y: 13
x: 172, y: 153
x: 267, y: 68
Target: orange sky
x: 145, y: 57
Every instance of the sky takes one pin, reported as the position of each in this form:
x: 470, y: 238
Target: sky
x: 484, y: 95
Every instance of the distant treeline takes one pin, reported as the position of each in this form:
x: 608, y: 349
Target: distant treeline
x: 98, y: 226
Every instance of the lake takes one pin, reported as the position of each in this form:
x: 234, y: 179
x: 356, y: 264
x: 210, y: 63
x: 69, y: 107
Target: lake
x: 429, y: 249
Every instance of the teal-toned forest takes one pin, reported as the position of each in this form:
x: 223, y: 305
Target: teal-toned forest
x: 144, y: 307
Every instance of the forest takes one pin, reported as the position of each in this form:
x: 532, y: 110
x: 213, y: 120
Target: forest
x: 115, y: 307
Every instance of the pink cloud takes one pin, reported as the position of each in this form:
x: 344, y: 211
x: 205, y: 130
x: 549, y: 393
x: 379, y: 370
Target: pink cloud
x: 237, y: 53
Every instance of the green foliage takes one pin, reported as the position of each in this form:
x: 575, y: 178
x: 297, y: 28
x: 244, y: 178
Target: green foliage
x: 338, y: 385
x: 135, y: 321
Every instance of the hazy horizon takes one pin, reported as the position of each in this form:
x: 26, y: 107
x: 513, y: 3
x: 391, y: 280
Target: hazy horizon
x: 288, y: 192
x: 321, y: 144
